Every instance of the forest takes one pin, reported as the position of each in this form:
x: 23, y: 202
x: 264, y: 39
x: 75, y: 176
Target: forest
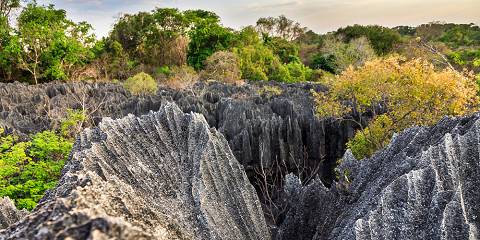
x: 383, y: 79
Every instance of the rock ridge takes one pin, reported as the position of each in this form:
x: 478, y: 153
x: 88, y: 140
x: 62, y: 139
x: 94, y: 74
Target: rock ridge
x: 165, y: 175
x: 424, y: 185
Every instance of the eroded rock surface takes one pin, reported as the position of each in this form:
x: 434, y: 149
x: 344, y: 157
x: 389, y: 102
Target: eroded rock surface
x: 259, y: 125
x: 164, y: 175
x: 9, y: 214
x: 425, y: 185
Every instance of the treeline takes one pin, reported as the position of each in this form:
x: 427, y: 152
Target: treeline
x: 170, y: 44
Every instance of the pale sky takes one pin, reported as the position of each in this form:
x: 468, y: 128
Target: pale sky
x: 319, y: 15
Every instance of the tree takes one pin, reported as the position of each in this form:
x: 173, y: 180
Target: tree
x: 48, y: 45
x: 206, y: 38
x: 280, y: 27
x: 6, y: 6
x: 397, y: 94
x: 383, y: 39
x: 222, y: 66
x: 155, y: 38
x: 335, y: 56
x: 141, y: 84
x: 285, y: 50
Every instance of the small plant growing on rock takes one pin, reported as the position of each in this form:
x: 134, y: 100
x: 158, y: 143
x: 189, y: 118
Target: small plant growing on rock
x: 270, y: 91
x: 141, y: 84
x: 73, y: 123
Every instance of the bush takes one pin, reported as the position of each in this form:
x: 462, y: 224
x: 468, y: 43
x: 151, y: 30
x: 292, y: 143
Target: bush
x: 256, y: 61
x: 181, y: 77
x: 28, y: 169
x: 141, y: 84
x: 223, y: 66
x: 413, y: 92
x: 260, y: 63
x: 337, y: 56
x: 383, y: 39
x: 299, y: 72
x: 376, y: 136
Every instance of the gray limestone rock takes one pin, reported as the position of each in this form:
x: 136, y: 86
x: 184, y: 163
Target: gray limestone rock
x: 8, y: 213
x: 258, y: 127
x: 424, y: 185
x: 165, y: 175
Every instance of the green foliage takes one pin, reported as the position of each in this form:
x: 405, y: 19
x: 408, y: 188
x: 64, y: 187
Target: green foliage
x: 259, y: 62
x: 383, y: 39
x: 469, y: 58
x: 247, y: 36
x: 461, y: 35
x: 256, y: 61
x: 325, y: 62
x: 298, y: 72
x: 376, y: 136
x: 156, y: 38
x: 28, y: 169
x: 285, y: 50
x: 141, y: 84
x: 48, y: 45
x: 164, y: 70
x: 72, y: 124
x: 207, y: 37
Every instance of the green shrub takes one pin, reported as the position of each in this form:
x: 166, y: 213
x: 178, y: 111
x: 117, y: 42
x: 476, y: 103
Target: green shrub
x: 28, y: 169
x: 141, y: 84
x: 298, y: 72
x: 376, y: 136
x: 260, y: 63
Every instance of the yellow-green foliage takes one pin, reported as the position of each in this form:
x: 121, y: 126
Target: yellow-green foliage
x: 141, y: 84
x: 269, y: 91
x: 413, y: 93
x: 28, y: 169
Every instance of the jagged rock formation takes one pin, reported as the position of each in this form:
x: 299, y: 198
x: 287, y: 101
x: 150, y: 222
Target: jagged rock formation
x: 259, y: 127
x: 164, y: 175
x: 424, y: 185
x: 9, y: 213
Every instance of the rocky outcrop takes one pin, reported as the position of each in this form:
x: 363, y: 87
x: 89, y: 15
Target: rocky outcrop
x: 259, y: 125
x: 164, y: 175
x: 424, y: 185
x: 9, y: 213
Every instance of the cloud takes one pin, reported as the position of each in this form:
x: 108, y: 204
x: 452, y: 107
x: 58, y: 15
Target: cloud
x: 269, y: 6
x: 319, y: 15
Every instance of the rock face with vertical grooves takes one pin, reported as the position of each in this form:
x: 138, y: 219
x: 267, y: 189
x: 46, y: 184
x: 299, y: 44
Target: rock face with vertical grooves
x: 164, y: 175
x: 259, y: 127
x: 424, y: 185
